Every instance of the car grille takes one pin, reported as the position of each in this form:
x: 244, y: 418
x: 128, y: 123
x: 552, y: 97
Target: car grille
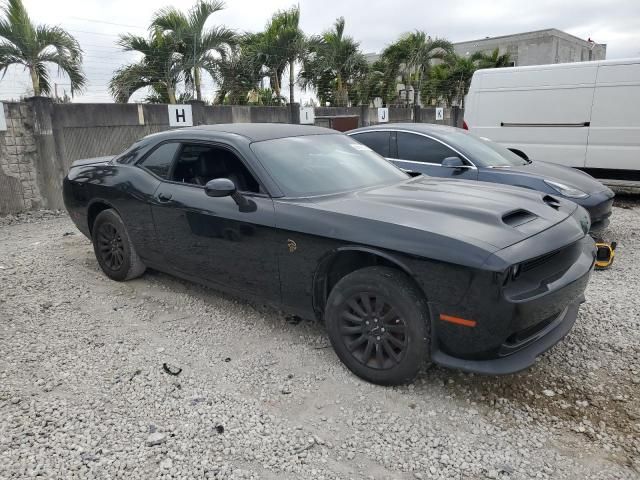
x: 541, y: 260
x: 522, y: 338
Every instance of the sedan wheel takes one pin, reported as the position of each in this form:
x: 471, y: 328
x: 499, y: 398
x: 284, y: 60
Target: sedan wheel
x: 378, y: 324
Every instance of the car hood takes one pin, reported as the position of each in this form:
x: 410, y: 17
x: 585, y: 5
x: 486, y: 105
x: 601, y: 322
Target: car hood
x: 484, y: 214
x: 558, y: 173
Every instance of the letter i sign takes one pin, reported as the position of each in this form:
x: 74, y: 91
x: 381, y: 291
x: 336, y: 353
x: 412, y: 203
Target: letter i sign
x: 180, y: 116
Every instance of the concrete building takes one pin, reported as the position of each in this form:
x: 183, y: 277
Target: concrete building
x: 540, y: 47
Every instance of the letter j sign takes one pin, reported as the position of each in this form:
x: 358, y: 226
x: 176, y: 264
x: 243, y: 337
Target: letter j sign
x: 180, y: 116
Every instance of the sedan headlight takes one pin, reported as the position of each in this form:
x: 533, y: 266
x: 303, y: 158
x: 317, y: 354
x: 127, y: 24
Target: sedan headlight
x: 566, y: 190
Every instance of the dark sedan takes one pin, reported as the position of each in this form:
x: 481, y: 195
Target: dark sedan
x: 401, y: 269
x: 441, y: 151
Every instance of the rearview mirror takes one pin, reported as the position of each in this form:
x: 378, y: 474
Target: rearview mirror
x: 453, y: 162
x: 220, y: 187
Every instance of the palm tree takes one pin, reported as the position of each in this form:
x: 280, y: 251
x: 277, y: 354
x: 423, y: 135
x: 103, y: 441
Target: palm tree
x: 160, y: 68
x: 196, y: 44
x: 334, y: 64
x: 449, y: 81
x: 281, y: 45
x: 411, y: 56
x: 36, y: 46
x: 236, y: 74
x: 492, y: 60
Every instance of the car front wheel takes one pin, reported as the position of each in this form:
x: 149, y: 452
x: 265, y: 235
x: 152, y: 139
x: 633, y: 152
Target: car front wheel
x: 378, y: 324
x: 113, y: 248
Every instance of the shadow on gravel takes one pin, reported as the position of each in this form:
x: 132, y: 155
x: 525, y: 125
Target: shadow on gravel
x: 627, y: 200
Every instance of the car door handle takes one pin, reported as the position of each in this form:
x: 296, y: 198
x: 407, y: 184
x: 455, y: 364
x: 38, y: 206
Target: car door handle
x: 164, y: 197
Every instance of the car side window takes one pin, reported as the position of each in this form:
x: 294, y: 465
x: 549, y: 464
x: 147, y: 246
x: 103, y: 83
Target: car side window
x: 159, y: 160
x: 422, y: 149
x: 376, y: 141
x: 198, y: 164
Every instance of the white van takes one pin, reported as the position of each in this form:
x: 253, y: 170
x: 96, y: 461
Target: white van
x: 584, y: 115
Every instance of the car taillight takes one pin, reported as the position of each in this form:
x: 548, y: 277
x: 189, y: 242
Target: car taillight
x: 464, y: 125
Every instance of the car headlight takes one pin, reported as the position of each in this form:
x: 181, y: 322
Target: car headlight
x: 566, y: 190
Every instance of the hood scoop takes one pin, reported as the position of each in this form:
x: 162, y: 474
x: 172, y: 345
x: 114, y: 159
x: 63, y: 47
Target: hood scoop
x: 551, y: 201
x: 518, y: 217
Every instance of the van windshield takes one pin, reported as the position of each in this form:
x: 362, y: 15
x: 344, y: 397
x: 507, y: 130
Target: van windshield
x: 484, y: 152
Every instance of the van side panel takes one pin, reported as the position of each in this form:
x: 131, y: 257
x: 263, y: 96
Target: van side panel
x: 614, y: 135
x: 544, y: 112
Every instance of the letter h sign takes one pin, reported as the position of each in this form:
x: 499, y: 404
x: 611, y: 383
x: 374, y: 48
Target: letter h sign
x: 180, y: 116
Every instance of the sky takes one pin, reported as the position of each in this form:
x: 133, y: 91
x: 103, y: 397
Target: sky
x: 374, y: 23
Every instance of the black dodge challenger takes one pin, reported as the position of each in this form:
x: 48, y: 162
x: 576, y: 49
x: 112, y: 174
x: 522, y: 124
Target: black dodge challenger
x: 470, y: 275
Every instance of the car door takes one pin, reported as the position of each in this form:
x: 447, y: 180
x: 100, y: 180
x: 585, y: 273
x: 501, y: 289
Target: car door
x: 211, y: 239
x: 419, y: 153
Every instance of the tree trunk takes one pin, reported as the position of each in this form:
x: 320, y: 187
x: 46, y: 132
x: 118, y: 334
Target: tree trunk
x: 340, y: 91
x: 35, y: 80
x: 196, y: 80
x: 292, y: 78
x: 276, y: 85
x: 171, y: 94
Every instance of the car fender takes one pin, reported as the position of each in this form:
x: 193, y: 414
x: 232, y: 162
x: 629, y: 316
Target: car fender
x: 319, y: 277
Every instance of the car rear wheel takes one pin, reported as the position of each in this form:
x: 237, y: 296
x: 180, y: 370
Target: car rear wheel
x: 377, y: 321
x: 113, y: 248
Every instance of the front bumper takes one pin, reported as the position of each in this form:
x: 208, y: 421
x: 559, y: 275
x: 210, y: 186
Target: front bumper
x: 599, y: 205
x: 513, y: 321
x: 518, y: 356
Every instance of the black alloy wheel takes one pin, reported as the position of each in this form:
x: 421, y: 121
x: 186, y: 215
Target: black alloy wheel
x: 372, y: 331
x: 111, y: 246
x: 378, y: 322
x: 114, y: 250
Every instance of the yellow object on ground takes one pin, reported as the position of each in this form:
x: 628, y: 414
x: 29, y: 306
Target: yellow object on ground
x: 605, y: 255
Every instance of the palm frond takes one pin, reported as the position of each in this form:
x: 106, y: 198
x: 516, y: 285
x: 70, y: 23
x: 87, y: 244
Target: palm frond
x: 17, y: 27
x: 201, y: 12
x: 129, y: 79
x: 59, y: 39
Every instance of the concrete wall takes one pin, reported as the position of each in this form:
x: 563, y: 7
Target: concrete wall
x: 43, y: 139
x: 18, y: 185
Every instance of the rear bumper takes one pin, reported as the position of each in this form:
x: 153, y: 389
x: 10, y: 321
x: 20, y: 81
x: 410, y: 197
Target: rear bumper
x: 516, y: 359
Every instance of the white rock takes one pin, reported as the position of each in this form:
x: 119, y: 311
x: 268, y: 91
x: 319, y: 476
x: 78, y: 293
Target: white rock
x: 156, y: 438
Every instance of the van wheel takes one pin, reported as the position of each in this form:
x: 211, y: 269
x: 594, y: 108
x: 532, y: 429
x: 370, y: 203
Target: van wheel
x: 114, y: 251
x: 378, y: 324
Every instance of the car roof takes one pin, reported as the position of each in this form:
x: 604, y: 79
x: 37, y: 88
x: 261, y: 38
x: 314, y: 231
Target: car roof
x: 430, y: 128
x: 254, y: 132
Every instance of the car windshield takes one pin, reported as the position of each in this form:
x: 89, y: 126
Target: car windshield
x: 484, y: 152
x: 323, y: 164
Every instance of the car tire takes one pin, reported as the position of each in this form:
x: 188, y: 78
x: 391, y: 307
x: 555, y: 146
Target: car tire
x: 378, y: 325
x: 113, y: 248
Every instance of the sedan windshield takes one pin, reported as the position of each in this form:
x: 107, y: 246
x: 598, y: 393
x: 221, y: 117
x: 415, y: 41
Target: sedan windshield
x: 484, y: 152
x: 323, y: 164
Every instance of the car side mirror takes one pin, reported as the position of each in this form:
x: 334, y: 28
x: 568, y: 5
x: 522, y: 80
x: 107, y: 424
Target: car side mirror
x: 220, y: 187
x: 453, y: 162
x: 223, y: 187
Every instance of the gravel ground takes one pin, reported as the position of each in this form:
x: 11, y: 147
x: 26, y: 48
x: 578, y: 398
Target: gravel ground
x: 83, y: 391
